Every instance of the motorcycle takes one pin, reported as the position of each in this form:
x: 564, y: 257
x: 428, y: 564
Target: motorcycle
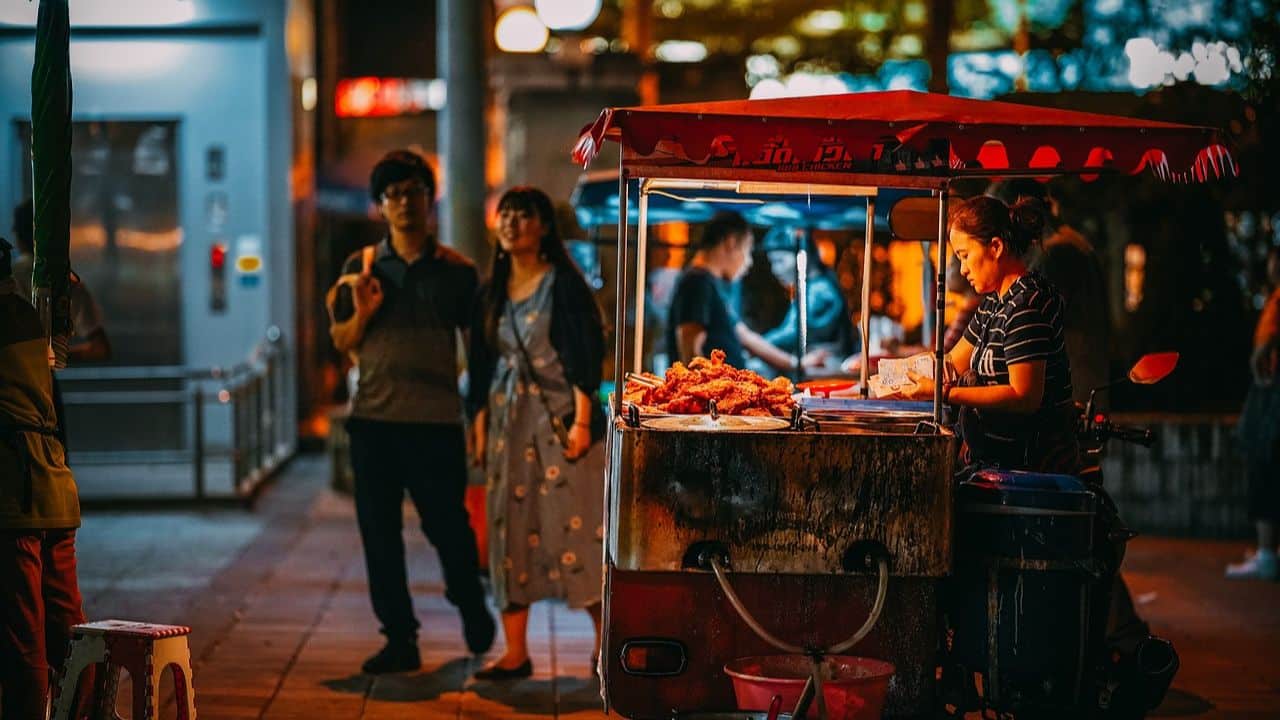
x: 1028, y: 624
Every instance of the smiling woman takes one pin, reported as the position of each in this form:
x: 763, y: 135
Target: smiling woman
x: 537, y: 347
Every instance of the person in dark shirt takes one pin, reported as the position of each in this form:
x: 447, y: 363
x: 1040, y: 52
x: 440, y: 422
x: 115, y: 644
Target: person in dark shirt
x: 702, y: 318
x: 1015, y: 399
x: 398, y: 309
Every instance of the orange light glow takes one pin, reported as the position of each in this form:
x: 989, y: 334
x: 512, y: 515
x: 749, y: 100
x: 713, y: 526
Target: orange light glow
x: 387, y: 97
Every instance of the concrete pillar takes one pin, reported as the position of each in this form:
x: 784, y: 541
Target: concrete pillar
x: 637, y: 32
x: 941, y: 16
x: 461, y: 39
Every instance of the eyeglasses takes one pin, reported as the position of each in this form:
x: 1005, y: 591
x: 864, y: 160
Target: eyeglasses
x: 400, y: 192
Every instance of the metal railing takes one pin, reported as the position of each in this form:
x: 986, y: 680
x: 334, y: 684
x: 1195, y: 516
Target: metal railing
x: 258, y: 437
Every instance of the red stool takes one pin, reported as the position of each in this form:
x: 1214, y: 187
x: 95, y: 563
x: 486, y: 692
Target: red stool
x: 143, y: 649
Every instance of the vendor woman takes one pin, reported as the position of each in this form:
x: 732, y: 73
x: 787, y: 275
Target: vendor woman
x: 1012, y: 380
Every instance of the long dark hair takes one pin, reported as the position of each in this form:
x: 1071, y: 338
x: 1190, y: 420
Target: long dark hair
x: 1019, y: 225
x: 522, y: 198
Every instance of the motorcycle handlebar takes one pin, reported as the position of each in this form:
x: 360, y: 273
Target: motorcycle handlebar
x: 1137, y: 435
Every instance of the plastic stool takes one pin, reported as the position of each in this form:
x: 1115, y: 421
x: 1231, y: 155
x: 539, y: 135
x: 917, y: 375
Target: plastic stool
x: 143, y: 649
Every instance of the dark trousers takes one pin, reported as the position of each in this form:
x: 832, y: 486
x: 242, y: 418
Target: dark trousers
x: 39, y: 602
x: 429, y: 462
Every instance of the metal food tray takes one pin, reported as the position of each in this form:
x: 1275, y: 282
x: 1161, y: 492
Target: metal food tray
x: 723, y: 423
x: 860, y: 406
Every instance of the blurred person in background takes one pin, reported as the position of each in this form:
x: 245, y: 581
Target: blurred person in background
x: 829, y: 326
x: 39, y: 515
x: 1259, y: 433
x: 702, y: 317
x: 89, y: 341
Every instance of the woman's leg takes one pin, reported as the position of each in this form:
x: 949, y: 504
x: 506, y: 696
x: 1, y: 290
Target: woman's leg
x: 515, y: 626
x: 1266, y: 535
x: 1264, y: 507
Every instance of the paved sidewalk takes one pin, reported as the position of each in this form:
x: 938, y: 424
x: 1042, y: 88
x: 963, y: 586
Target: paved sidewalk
x: 281, y: 618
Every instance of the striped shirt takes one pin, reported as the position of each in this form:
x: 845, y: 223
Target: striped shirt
x: 1023, y: 325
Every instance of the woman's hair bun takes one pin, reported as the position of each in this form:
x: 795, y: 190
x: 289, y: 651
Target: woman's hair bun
x: 1027, y: 218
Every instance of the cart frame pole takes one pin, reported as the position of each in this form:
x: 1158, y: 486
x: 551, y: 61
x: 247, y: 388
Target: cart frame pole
x: 620, y: 327
x: 867, y: 251
x: 939, y: 308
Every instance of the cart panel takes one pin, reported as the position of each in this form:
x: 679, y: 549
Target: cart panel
x: 781, y: 502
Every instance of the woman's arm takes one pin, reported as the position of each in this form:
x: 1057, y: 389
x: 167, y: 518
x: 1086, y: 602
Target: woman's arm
x: 960, y: 356
x: 580, y: 433
x: 480, y: 360
x: 478, y: 437
x: 1022, y: 395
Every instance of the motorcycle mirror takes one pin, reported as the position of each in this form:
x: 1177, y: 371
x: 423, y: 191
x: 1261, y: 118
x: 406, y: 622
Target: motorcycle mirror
x: 1153, y: 367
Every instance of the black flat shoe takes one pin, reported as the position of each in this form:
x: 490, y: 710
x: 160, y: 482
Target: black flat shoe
x: 493, y: 672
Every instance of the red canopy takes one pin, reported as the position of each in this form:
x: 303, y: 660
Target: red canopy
x: 902, y: 134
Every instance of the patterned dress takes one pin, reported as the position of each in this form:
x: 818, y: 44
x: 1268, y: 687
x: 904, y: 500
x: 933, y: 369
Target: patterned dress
x: 545, y: 530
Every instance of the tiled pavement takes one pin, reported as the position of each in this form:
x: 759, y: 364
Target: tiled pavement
x: 281, y: 619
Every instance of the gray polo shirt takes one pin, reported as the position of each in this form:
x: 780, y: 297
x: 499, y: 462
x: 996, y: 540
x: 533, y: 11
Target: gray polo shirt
x: 408, y: 357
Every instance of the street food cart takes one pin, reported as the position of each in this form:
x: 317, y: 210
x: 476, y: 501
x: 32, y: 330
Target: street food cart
x: 726, y: 540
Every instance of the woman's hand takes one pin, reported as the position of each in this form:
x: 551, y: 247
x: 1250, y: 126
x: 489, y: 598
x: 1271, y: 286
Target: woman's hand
x: 923, y: 389
x: 476, y: 439
x: 816, y: 358
x: 579, y: 442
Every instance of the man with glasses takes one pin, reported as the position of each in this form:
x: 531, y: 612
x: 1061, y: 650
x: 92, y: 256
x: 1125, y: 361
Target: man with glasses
x: 397, y: 309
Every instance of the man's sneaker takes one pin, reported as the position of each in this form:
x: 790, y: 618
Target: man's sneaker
x: 478, y: 628
x: 1263, y: 565
x: 395, y: 657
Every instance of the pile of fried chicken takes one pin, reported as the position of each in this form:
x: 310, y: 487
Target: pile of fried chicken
x: 689, y: 390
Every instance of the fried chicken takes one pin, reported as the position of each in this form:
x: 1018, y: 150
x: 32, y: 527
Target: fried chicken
x: 689, y: 390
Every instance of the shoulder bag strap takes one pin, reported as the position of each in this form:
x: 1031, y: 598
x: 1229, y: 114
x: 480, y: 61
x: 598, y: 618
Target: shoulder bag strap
x: 557, y: 424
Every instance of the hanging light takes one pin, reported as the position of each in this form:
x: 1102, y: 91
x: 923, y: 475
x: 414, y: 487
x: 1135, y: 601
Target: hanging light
x: 520, y: 30
x: 567, y: 14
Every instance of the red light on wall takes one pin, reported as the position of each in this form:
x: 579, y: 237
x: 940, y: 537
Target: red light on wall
x: 357, y: 97
x: 218, y: 277
x: 217, y: 256
x: 387, y: 97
